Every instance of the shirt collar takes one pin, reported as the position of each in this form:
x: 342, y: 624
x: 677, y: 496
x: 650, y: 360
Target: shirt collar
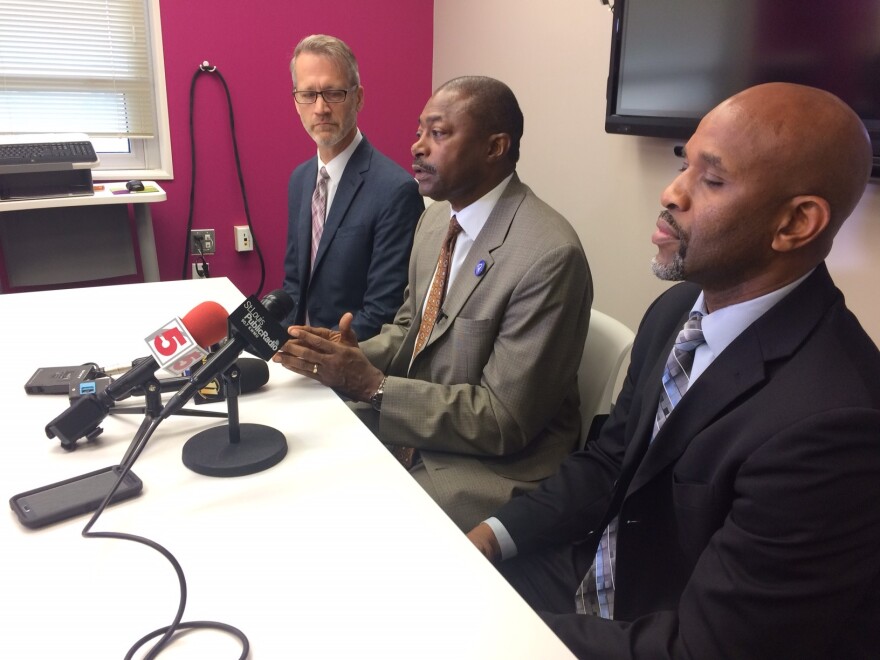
x: 336, y: 166
x: 721, y: 327
x: 473, y: 217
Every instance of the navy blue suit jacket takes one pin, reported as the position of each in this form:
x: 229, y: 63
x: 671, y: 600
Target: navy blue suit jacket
x: 362, y: 260
x: 750, y: 527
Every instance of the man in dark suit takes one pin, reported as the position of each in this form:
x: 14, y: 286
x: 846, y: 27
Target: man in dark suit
x: 736, y: 515
x: 347, y: 246
x: 484, y: 387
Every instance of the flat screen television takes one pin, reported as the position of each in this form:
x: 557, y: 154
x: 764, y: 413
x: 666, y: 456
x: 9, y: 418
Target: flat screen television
x: 674, y: 60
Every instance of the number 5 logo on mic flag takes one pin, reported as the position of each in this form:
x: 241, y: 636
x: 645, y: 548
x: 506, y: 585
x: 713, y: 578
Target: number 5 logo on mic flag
x: 174, y: 348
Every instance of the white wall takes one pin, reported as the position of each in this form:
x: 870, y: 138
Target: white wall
x: 554, y: 55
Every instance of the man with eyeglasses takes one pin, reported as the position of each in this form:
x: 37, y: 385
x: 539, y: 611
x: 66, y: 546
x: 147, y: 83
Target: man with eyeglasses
x: 351, y: 210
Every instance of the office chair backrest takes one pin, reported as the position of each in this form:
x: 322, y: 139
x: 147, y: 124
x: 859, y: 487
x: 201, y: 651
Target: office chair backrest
x: 607, y: 346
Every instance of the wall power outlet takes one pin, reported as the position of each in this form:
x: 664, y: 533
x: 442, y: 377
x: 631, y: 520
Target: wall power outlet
x: 202, y: 241
x: 244, y: 242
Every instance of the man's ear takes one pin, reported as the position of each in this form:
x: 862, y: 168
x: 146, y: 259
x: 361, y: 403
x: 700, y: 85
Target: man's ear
x: 498, y: 147
x: 805, y: 219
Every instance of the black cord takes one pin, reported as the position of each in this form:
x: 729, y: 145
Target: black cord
x: 192, y: 185
x: 167, y: 633
x: 191, y: 625
x: 206, y: 270
x: 205, y: 68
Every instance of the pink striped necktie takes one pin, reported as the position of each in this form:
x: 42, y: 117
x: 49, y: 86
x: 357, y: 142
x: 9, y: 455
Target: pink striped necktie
x: 319, y: 211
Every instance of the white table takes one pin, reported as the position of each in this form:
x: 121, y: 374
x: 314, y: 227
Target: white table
x: 333, y: 553
x: 55, y: 240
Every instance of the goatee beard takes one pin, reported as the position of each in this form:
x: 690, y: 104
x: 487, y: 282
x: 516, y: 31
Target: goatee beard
x: 671, y: 272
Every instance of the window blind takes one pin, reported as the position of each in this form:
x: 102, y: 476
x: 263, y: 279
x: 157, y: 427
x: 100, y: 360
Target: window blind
x: 78, y: 66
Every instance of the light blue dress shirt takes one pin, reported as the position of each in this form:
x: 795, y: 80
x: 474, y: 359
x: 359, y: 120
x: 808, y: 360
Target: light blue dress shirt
x: 720, y: 328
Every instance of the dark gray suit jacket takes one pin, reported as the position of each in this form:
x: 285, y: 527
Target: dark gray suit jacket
x: 750, y: 527
x: 362, y: 259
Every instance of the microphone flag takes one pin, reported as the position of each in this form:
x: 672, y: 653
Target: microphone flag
x: 173, y: 347
x: 258, y: 327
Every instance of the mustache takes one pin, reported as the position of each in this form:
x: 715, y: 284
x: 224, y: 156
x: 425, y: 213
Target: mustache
x: 666, y: 216
x: 422, y: 165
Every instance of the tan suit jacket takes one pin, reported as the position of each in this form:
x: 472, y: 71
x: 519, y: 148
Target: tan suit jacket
x: 496, y: 385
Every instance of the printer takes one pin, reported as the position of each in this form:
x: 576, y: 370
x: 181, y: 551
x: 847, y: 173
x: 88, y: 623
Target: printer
x: 34, y: 166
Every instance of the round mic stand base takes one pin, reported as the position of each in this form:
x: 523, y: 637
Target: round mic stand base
x: 211, y: 452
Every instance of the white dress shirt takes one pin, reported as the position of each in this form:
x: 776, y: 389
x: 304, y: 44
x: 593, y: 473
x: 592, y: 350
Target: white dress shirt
x: 335, y: 168
x: 472, y: 219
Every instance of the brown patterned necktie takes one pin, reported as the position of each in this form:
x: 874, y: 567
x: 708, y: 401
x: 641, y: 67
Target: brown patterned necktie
x: 319, y: 211
x: 436, y: 294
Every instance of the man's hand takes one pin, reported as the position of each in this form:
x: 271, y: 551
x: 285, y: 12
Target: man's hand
x: 344, y: 336
x: 483, y: 537
x: 331, y: 357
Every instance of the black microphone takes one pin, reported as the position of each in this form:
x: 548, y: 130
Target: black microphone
x: 254, y: 324
x: 254, y: 374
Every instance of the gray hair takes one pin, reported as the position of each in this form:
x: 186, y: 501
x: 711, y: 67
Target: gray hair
x: 331, y: 48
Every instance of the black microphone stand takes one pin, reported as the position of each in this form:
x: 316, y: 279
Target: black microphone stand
x: 234, y: 449
x: 153, y: 399
x: 152, y: 391
x: 83, y: 418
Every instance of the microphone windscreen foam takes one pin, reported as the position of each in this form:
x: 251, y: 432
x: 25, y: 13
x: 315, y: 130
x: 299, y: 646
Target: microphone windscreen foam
x: 206, y: 323
x: 254, y: 374
x: 278, y: 303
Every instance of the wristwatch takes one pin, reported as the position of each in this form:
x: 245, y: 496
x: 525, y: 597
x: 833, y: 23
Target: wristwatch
x: 376, y: 399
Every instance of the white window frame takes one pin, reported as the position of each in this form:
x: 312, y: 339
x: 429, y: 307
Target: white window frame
x: 148, y: 158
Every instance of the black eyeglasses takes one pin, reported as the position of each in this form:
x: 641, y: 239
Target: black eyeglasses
x: 329, y: 95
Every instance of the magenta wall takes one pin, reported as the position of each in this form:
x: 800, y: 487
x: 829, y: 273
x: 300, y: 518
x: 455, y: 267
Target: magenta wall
x: 251, y: 44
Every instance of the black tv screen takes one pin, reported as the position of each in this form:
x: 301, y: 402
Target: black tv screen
x: 674, y: 60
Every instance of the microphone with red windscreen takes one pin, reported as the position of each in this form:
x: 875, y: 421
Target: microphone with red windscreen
x: 181, y: 343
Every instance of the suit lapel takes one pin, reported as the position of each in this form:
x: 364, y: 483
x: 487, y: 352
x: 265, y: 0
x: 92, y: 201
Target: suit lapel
x: 741, y: 366
x: 351, y: 181
x: 304, y: 228
x: 647, y: 412
x: 491, y: 237
x: 426, y: 249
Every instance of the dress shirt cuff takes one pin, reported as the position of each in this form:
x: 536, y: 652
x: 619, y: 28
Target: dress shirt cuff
x: 505, y: 542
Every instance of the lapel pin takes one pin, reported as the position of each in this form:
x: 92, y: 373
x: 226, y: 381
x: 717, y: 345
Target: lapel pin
x: 480, y: 268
